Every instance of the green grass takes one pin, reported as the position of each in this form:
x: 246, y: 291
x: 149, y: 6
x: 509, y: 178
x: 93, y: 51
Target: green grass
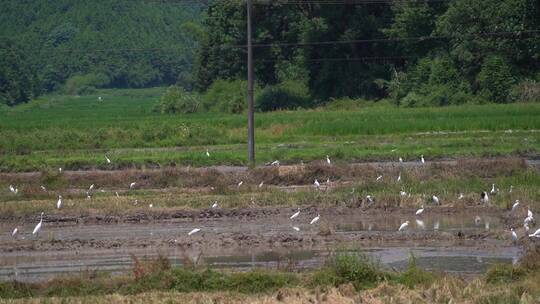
x: 75, y: 132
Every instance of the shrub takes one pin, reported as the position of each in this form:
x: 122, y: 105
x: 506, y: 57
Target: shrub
x: 414, y: 275
x: 504, y: 273
x: 526, y: 91
x: 85, y: 84
x: 177, y: 100
x: 229, y: 96
x: 287, y: 95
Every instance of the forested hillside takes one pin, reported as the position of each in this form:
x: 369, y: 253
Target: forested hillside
x: 76, y: 45
x: 412, y: 52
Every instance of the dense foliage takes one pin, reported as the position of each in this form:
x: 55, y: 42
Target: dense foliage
x: 413, y: 52
x: 77, y: 46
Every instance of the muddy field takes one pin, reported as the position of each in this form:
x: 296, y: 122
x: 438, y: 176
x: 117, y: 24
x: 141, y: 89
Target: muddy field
x: 457, y: 236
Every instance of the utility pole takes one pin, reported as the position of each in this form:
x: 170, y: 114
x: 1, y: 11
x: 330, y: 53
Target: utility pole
x: 251, y: 116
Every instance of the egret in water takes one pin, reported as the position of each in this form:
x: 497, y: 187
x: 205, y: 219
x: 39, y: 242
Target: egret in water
x: 59, y: 202
x: 43, y: 188
x: 261, y: 184
x: 316, y: 183
x: 315, y: 219
x: 215, y: 205
x: 515, y: 205
x: 422, y: 159
x: 404, y: 226
x: 295, y: 214
x: 460, y: 196
x: 132, y: 185
x: 420, y: 211
x: 435, y: 199
x: 379, y: 178
x: 240, y: 183
x: 535, y: 234
x: 207, y: 153
x: 275, y: 163
x: 328, y: 160
x: 107, y: 159
x: 38, y: 226
x: 295, y: 228
x: 514, y: 235
x: 194, y: 231
x: 14, y: 232
x: 484, y: 198
x: 399, y: 177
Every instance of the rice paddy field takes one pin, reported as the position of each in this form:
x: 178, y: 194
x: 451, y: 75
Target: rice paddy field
x: 165, y: 222
x: 76, y: 132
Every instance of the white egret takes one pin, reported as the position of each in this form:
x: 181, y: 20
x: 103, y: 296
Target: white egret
x: 91, y: 187
x: 369, y: 198
x: 240, y: 183
x: 486, y: 225
x: 38, y: 226
x: 316, y: 183
x: 402, y: 193
x: 328, y: 160
x: 436, y: 225
x: 151, y: 206
x: 422, y: 159
x: 117, y: 195
x: 493, y: 190
x: 529, y: 213
x: 400, y: 160
x: 295, y: 214
x: 60, y: 169
x: 16, y: 190
x: 275, y: 163
x: 194, y: 231
x: 399, y: 177
x: 136, y: 202
x: 295, y: 228
x: 59, y: 202
x: 14, y: 231
x: 315, y: 219
x: 378, y: 178
x: 515, y: 205
x: 435, y: 199
x: 132, y: 185
x: 460, y: 196
x: 215, y: 205
x: 43, y: 188
x: 12, y: 189
x: 99, y: 98
x: 526, y: 227
x: 107, y: 159
x: 420, y: 224
x: 535, y: 234
x: 207, y: 153
x: 528, y: 220
x: 261, y: 184
x: 420, y: 211
x: 514, y: 235
x: 403, y: 226
x: 88, y: 196
x: 484, y: 198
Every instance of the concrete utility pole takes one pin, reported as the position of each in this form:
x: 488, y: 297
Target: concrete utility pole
x: 251, y: 116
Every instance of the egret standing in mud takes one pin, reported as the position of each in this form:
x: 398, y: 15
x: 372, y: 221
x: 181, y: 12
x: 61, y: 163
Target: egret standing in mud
x: 295, y: 228
x: 275, y: 163
x: 207, y: 153
x: 107, y: 159
x: 14, y: 232
x: 401, y: 160
x: 420, y: 211
x: 404, y: 226
x: 295, y: 214
x: 328, y: 160
x: 422, y: 159
x: 515, y: 205
x: 399, y: 177
x: 215, y: 205
x: 132, y: 185
x: 536, y: 234
x: 315, y: 219
x: 43, y: 188
x: 316, y: 184
x: 484, y: 198
x: 194, y: 231
x: 38, y: 226
x: 514, y: 235
x: 261, y: 184
x: 460, y: 196
x: 378, y: 178
x: 59, y: 202
x: 493, y: 190
x: 240, y: 183
x: 435, y: 200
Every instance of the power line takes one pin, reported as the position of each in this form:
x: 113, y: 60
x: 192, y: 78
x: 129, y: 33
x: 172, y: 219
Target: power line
x: 363, y: 59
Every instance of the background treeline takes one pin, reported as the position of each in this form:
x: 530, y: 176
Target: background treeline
x: 411, y: 53
x: 75, y: 46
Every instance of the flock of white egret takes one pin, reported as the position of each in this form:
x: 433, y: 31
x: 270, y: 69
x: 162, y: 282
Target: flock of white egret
x: 484, y: 198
